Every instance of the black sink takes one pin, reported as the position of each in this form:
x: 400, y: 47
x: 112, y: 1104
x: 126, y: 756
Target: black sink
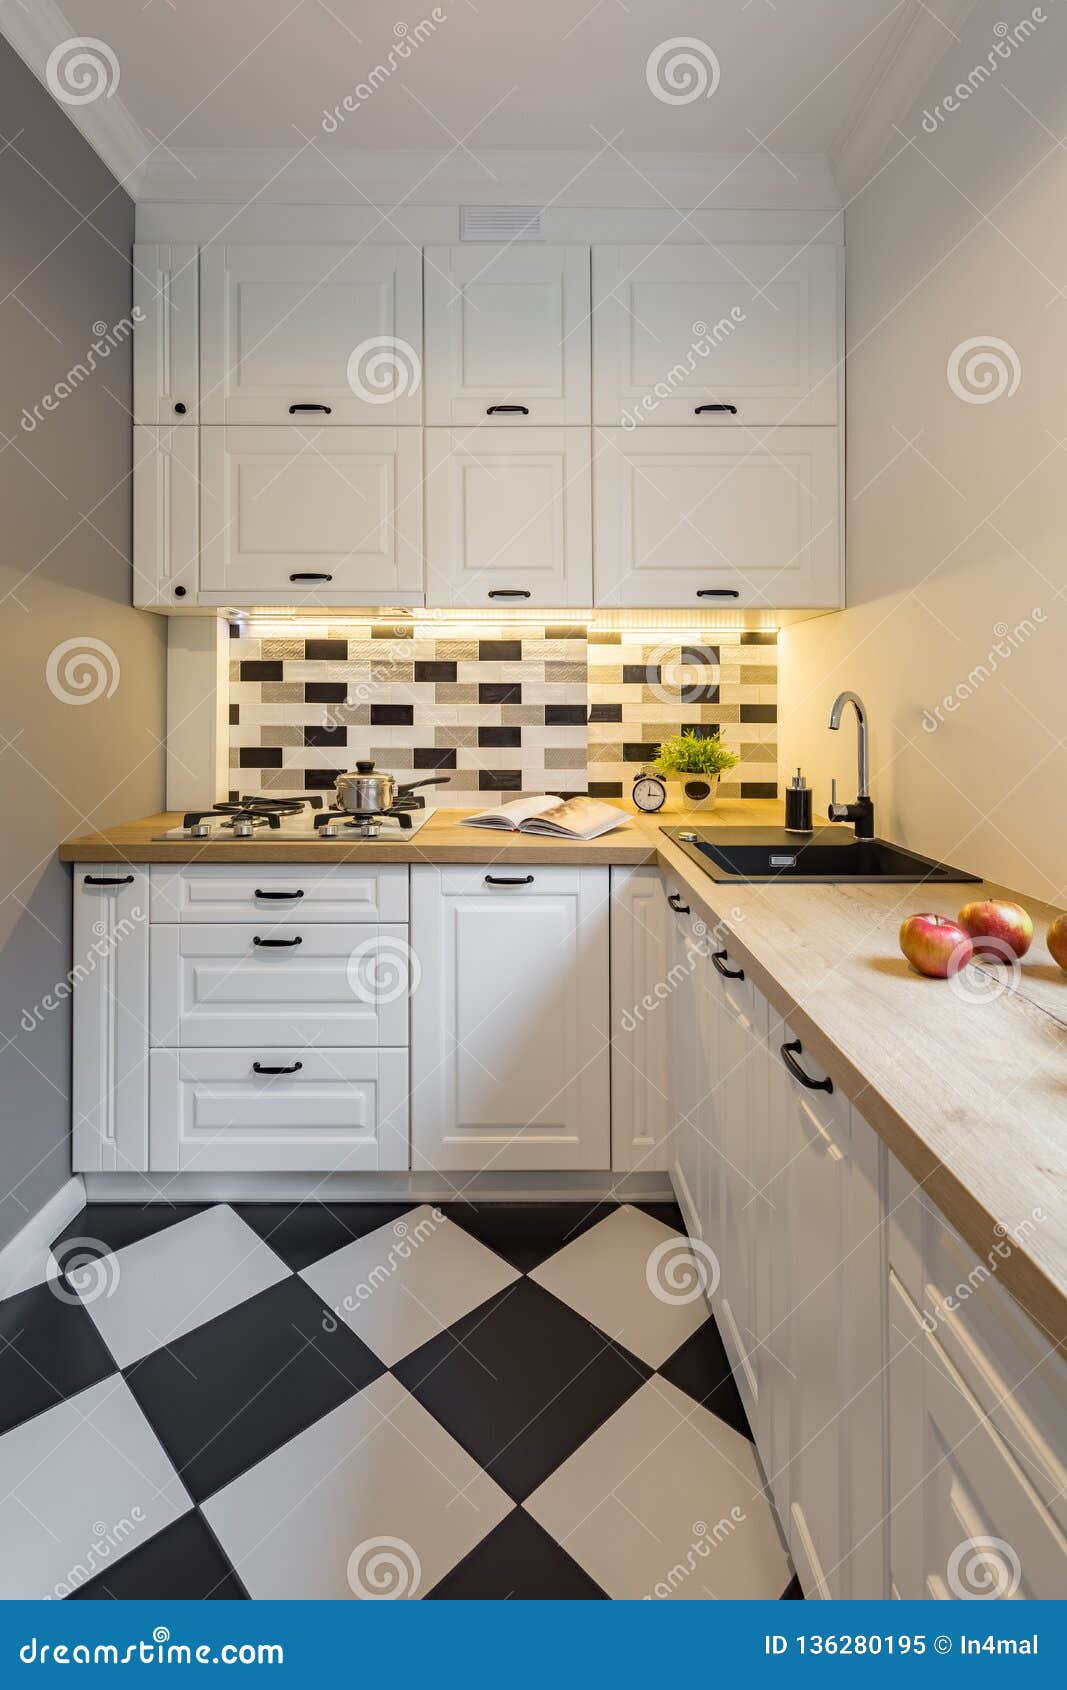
x: 830, y: 855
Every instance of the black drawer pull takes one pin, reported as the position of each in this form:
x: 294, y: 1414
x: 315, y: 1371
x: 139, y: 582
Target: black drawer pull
x: 731, y: 410
x: 797, y: 1071
x: 322, y: 410
x: 109, y: 880
x: 675, y: 901
x: 507, y: 411
x: 310, y: 575
x: 261, y: 894
x: 509, y: 880
x: 275, y: 944
x: 508, y: 593
x: 261, y: 1068
x: 718, y: 593
x: 727, y: 973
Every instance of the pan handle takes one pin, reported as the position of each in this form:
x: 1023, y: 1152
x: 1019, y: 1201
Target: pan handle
x: 431, y: 780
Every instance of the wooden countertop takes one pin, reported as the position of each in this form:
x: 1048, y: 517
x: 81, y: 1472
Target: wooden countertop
x: 969, y: 1093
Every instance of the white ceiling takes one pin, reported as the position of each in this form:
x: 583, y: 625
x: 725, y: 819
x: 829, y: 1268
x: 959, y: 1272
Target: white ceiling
x: 257, y: 75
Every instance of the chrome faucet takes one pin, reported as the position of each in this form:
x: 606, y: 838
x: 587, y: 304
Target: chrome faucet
x: 861, y: 812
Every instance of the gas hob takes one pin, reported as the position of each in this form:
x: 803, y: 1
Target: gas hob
x: 267, y: 821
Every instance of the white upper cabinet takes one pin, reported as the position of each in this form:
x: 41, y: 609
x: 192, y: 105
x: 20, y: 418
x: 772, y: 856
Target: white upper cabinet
x: 298, y: 332
x: 750, y: 331
x: 507, y: 334
x: 731, y: 517
x: 304, y: 515
x: 508, y: 518
x: 166, y: 517
x: 166, y: 336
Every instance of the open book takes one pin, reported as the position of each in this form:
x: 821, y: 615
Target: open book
x: 562, y: 818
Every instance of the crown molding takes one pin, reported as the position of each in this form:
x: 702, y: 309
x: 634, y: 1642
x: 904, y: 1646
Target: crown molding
x: 924, y: 33
x: 116, y: 137
x: 329, y: 175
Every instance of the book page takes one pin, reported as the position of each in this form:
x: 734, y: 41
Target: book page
x: 512, y: 814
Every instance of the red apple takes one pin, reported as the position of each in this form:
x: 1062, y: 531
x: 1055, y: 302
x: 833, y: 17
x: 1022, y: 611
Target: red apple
x: 1001, y: 931
x: 935, y: 945
x: 1056, y: 940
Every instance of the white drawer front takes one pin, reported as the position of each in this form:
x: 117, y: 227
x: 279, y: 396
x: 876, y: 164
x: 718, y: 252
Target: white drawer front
x: 248, y: 985
x: 339, y: 1110
x: 280, y: 892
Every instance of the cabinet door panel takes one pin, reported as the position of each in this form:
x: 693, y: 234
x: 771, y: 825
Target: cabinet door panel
x: 508, y: 517
x: 340, y: 505
x: 166, y: 340
x: 166, y: 517
x: 676, y: 327
x: 109, y: 1092
x: 339, y: 1111
x: 283, y: 893
x: 729, y: 517
x: 510, y: 1020
x: 282, y: 326
x: 507, y: 326
x: 640, y: 1051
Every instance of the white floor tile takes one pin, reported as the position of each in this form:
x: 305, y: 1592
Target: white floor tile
x: 375, y: 1500
x: 665, y: 1501
x: 179, y: 1278
x: 401, y: 1285
x: 81, y: 1485
x: 608, y: 1275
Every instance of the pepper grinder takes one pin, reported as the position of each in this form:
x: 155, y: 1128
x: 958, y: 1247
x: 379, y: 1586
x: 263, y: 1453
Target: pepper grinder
x: 798, y: 806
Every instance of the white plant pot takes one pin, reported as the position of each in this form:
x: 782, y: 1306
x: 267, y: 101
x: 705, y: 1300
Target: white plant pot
x: 693, y: 792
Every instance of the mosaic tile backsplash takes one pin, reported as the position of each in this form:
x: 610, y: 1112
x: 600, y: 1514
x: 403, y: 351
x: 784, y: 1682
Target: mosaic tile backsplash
x: 500, y: 709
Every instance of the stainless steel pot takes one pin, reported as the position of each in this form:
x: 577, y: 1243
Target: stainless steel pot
x: 368, y: 791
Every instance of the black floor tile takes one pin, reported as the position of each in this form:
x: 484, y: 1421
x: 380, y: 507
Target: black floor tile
x: 226, y: 1395
x: 117, y: 1224
x: 668, y: 1213
x: 49, y: 1350
x: 518, y: 1560
x: 520, y: 1382
x: 302, y: 1233
x: 526, y: 1234
x: 182, y: 1563
x: 702, y: 1369
x: 792, y: 1591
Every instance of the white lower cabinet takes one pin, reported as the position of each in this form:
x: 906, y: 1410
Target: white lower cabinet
x: 641, y: 984
x: 109, y: 1058
x: 302, y: 1109
x: 510, y: 1018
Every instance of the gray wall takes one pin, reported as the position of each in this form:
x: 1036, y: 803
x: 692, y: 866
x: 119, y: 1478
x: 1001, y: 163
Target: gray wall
x: 65, y: 234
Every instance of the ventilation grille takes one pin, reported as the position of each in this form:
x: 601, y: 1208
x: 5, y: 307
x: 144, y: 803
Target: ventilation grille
x: 502, y: 223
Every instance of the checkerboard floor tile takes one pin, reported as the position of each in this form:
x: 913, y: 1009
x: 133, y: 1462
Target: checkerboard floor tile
x: 481, y: 1401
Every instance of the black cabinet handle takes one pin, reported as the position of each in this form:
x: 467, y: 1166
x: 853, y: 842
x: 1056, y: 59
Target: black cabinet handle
x: 675, y: 901
x: 322, y: 410
x: 508, y: 593
x: 180, y: 409
x: 718, y: 593
x: 731, y: 410
x: 797, y: 1071
x: 727, y: 973
x: 275, y: 944
x: 509, y: 880
x: 261, y: 1068
x: 508, y: 411
x: 310, y: 575
x: 109, y: 880
x: 259, y: 893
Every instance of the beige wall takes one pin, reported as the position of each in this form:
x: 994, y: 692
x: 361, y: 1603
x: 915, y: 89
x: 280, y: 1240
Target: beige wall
x: 956, y: 511
x: 65, y: 234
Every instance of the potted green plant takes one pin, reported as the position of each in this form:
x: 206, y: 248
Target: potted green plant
x: 691, y: 766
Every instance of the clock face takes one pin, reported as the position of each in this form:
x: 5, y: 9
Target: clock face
x: 649, y: 793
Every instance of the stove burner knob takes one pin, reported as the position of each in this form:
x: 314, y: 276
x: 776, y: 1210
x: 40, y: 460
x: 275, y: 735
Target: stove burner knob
x: 328, y: 831
x: 242, y: 829
x: 199, y: 830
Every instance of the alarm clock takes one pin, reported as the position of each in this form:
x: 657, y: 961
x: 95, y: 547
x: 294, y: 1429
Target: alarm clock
x: 649, y: 792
